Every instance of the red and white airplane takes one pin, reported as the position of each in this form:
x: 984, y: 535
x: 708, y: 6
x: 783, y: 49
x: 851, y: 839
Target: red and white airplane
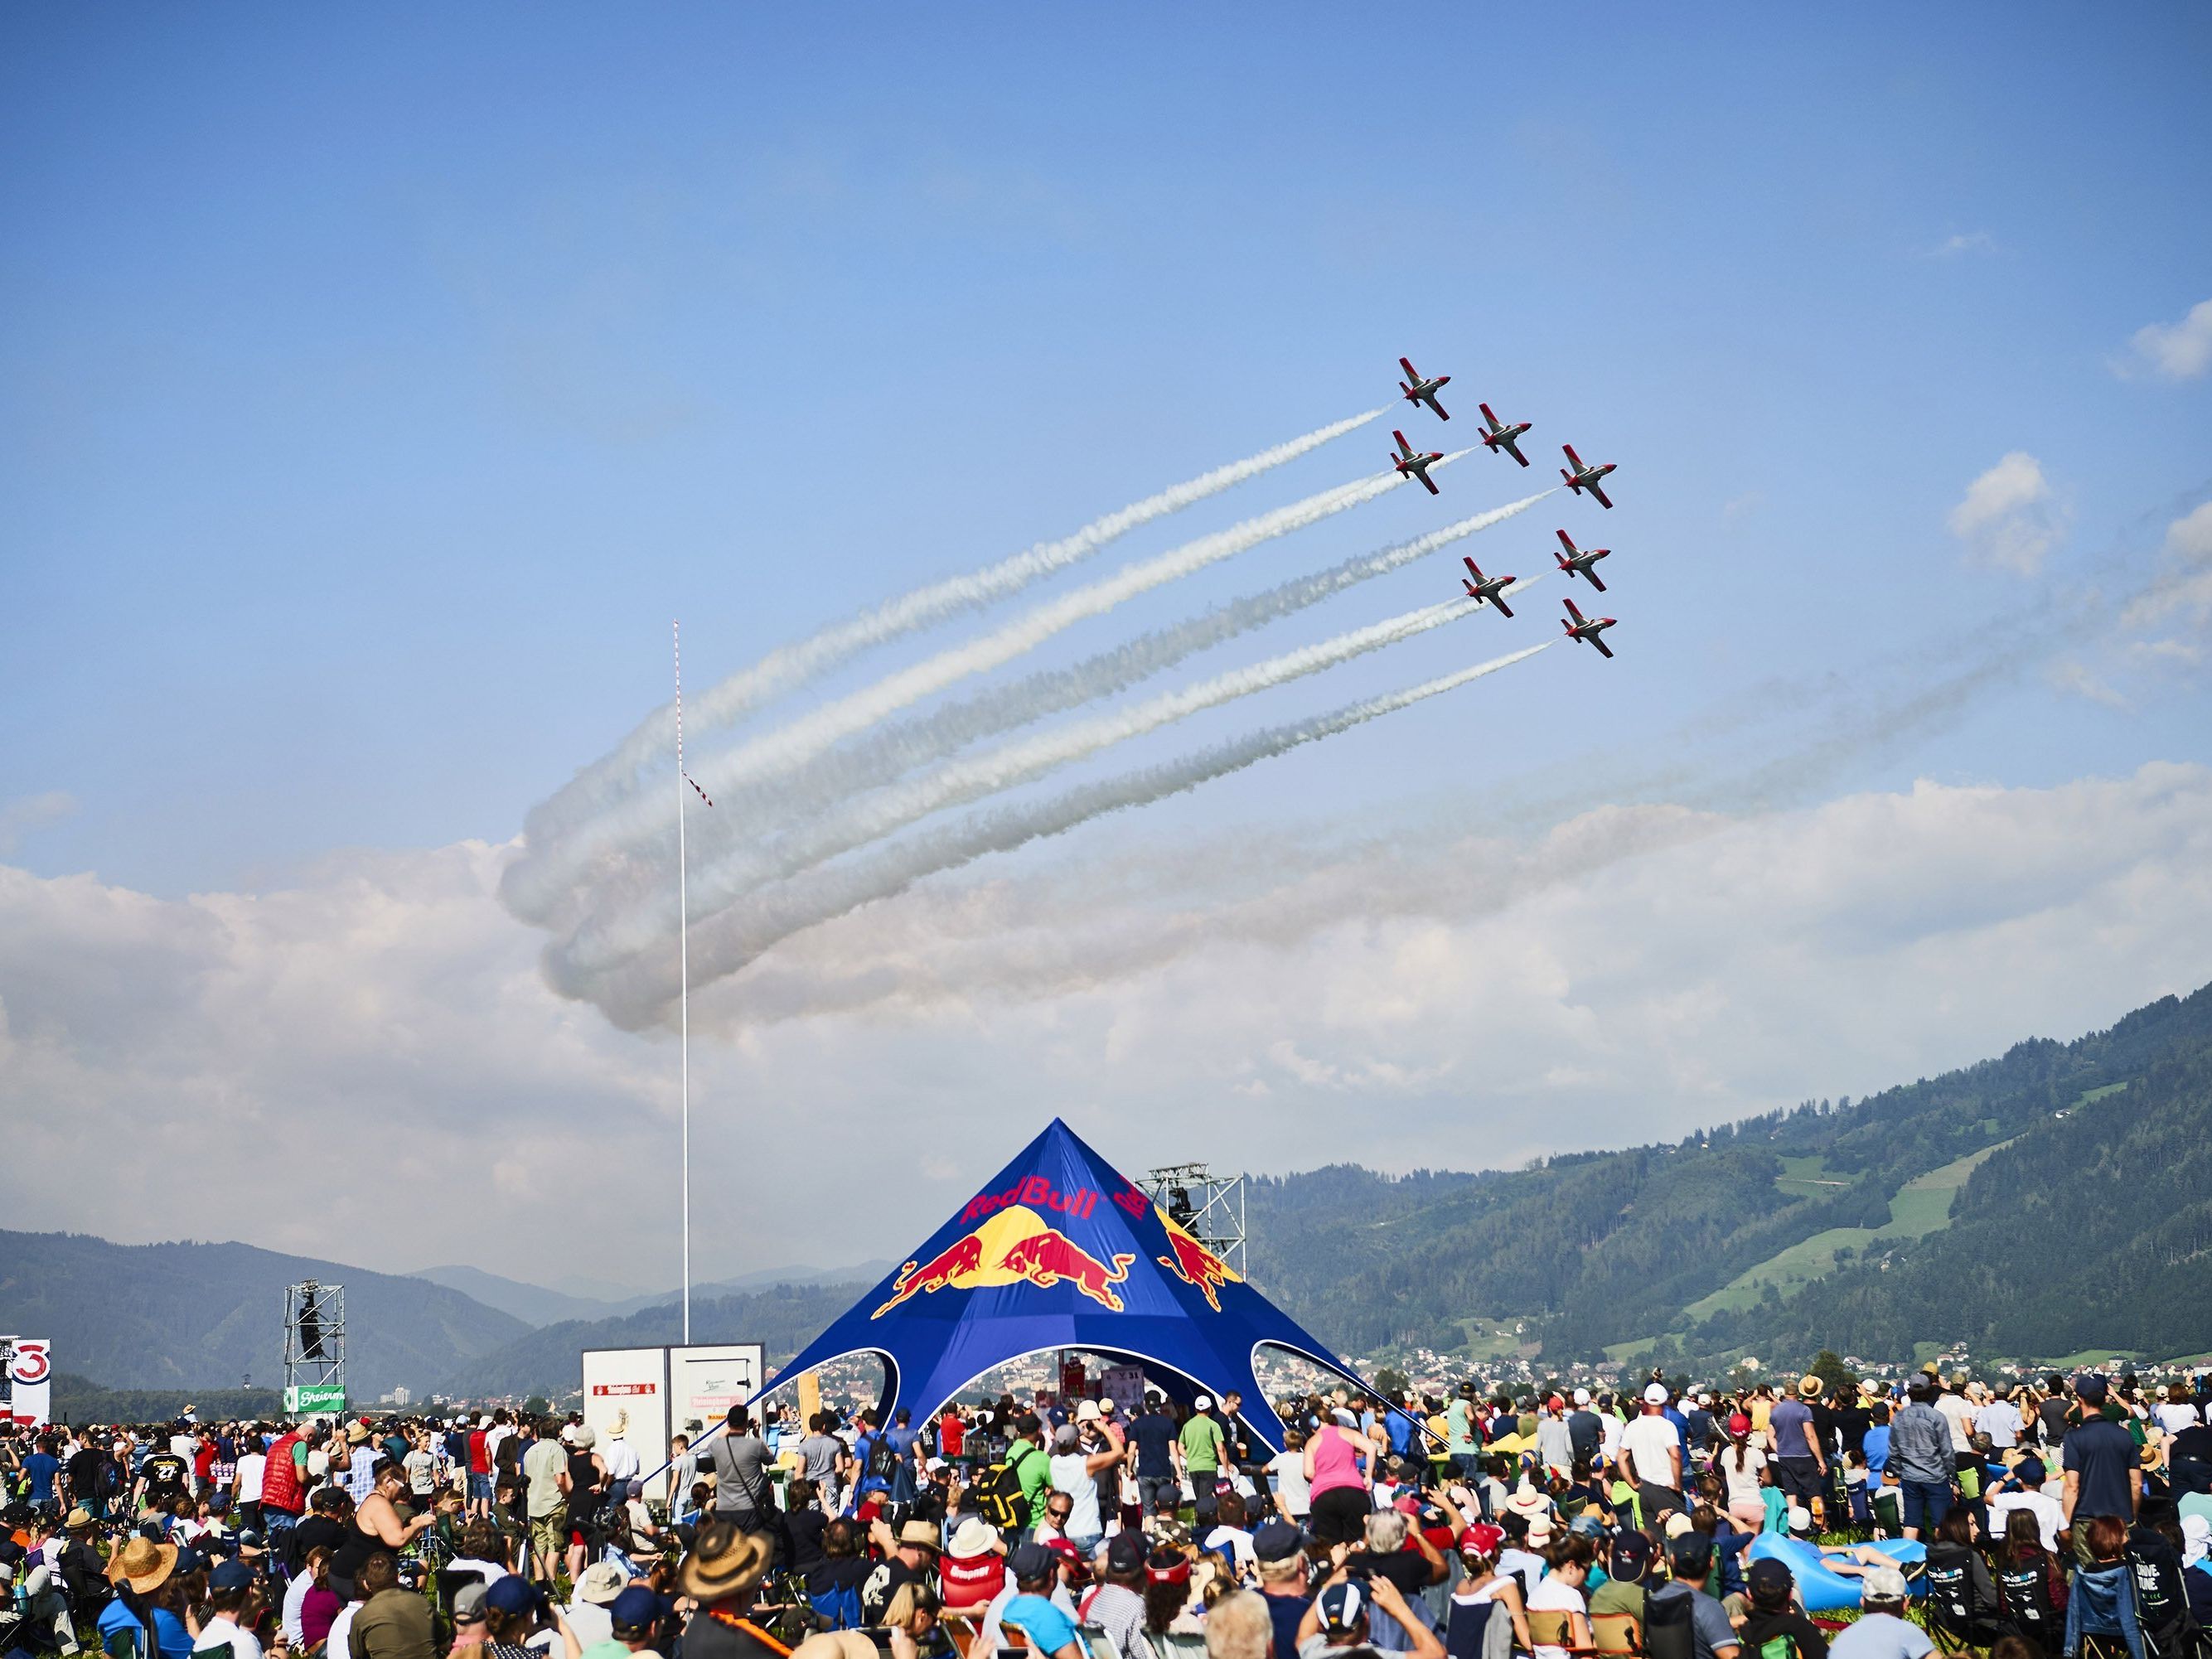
x: 1587, y: 629
x: 1498, y: 436
x: 1412, y: 461
x: 1485, y: 589
x: 1419, y: 391
x: 1584, y: 478
x: 1576, y: 563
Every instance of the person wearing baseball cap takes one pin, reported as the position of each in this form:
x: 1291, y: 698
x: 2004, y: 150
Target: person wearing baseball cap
x: 1627, y: 1573
x: 1117, y: 1605
x: 634, y: 1615
x: 1035, y: 1603
x: 1485, y: 1591
x: 1690, y: 1560
x: 1339, y: 1618
x: 233, y: 1598
x: 1881, y: 1630
x: 1770, y: 1588
x: 1279, y: 1548
x: 2104, y: 1471
x: 1652, y: 1456
x: 2022, y: 1490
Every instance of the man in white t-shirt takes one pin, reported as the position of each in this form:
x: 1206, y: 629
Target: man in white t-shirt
x: 252, y: 1465
x: 233, y: 1602
x: 2049, y: 1519
x: 1653, y: 1451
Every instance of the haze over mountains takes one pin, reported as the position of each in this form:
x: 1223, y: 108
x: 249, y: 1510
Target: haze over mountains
x: 534, y: 1305
x: 2053, y: 1201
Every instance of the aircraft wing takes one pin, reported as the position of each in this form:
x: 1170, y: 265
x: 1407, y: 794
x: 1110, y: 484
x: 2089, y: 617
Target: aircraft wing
x: 1503, y: 610
x: 1431, y: 399
x: 1602, y: 646
x: 1513, y: 448
x: 1428, y: 482
x: 1411, y: 374
x: 1596, y: 489
x: 1591, y: 571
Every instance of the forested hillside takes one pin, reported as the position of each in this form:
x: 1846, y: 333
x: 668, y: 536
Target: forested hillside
x: 1600, y: 1250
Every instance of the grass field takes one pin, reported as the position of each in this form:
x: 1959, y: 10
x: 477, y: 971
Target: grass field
x: 1807, y: 1176
x: 1922, y: 1206
x: 1488, y: 1340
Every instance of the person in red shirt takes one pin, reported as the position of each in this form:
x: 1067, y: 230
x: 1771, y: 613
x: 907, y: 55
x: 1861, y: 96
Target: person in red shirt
x: 974, y: 1565
x: 480, y: 1467
x: 951, y: 1434
x: 203, y: 1463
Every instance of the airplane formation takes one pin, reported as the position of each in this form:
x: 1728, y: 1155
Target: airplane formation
x: 1497, y: 436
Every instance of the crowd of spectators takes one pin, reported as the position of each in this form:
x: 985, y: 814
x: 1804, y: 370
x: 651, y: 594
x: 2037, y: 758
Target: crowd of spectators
x: 2042, y: 1518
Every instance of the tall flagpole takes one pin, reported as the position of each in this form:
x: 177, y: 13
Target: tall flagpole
x: 683, y: 961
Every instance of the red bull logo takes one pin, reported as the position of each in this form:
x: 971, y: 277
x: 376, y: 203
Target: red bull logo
x: 1193, y: 1263
x: 1014, y: 1247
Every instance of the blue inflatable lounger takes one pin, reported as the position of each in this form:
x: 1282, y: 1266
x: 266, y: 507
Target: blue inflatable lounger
x: 1822, y: 1588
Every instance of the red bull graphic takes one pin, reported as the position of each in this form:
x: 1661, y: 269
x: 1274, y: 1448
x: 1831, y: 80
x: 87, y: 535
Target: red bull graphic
x: 1014, y: 1247
x: 1193, y: 1263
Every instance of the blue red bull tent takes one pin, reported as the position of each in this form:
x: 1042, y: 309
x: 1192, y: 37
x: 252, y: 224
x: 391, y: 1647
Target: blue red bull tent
x: 1058, y: 1251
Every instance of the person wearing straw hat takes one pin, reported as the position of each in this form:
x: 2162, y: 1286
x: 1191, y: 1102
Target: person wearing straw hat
x: 138, y: 1569
x: 724, y: 1565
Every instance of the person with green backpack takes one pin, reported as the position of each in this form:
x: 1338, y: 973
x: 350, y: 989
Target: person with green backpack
x: 1011, y: 1493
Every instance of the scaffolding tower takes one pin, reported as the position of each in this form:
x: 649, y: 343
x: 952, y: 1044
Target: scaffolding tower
x: 1210, y: 1207
x: 314, y: 1339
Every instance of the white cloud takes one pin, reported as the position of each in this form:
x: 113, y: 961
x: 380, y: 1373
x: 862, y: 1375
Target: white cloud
x: 18, y: 817
x: 1635, y: 972
x: 2007, y: 519
x: 2180, y: 352
x: 2069, y: 675
x: 2184, y: 589
x: 1952, y: 246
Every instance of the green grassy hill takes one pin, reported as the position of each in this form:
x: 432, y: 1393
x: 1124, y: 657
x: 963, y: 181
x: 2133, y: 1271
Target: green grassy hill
x: 1845, y: 1225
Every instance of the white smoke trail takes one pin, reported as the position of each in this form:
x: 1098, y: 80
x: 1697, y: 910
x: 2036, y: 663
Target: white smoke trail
x: 615, y: 774
x: 537, y: 885
x: 890, y: 751
x: 739, y: 935
x: 645, y: 929
x: 879, y: 756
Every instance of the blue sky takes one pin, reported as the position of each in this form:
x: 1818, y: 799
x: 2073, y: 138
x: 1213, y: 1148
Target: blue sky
x: 391, y: 379
x: 384, y: 380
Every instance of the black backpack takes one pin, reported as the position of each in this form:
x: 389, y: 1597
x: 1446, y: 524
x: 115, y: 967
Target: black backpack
x: 999, y: 1493
x: 882, y: 1460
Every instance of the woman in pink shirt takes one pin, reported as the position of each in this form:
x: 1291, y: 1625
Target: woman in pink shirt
x: 1337, y: 1460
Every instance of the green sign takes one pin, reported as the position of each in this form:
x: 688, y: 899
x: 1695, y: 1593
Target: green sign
x: 315, y: 1399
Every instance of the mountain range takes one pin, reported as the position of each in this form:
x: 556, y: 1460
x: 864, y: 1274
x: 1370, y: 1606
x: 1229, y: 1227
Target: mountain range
x: 2053, y: 1201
